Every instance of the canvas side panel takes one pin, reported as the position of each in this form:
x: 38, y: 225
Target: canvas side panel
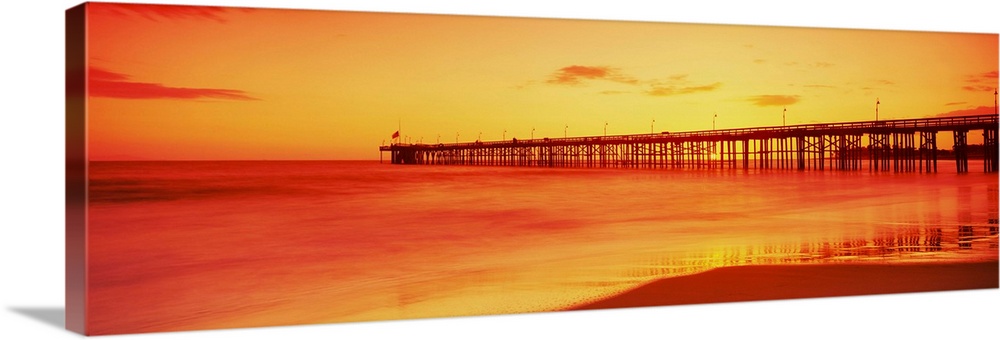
x: 76, y: 170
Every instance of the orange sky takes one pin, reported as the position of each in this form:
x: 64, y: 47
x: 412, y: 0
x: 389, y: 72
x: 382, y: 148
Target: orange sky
x: 174, y: 82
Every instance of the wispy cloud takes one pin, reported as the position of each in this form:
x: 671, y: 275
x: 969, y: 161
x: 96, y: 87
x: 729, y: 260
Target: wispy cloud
x: 703, y: 88
x: 676, y: 84
x: 165, y: 12
x: 678, y: 77
x: 986, y: 81
x: 818, y: 86
x: 990, y: 75
x: 524, y: 85
x: 661, y: 91
x: 774, y: 100
x: 104, y: 83
x: 670, y: 90
x: 978, y: 88
x: 576, y: 74
x: 875, y: 86
x: 954, y: 103
x: 104, y: 75
x: 982, y: 110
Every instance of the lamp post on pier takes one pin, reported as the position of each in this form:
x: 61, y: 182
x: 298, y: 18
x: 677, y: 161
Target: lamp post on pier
x: 565, y: 133
x: 783, y: 116
x: 876, y: 108
x: 605, y: 129
x: 714, y: 116
x: 651, y: 125
x: 532, y: 133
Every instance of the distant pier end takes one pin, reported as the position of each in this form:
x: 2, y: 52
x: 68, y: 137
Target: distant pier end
x: 905, y: 145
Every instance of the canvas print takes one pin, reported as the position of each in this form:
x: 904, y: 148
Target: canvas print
x: 243, y: 167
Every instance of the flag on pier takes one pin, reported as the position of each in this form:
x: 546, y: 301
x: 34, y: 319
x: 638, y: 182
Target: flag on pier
x: 395, y: 135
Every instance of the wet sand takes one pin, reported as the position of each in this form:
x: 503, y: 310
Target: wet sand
x: 772, y: 282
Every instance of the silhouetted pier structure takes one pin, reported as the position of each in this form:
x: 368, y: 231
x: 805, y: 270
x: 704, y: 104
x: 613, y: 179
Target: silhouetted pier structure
x: 904, y: 145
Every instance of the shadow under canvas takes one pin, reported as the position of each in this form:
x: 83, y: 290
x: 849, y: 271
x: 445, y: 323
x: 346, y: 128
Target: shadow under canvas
x: 54, y: 316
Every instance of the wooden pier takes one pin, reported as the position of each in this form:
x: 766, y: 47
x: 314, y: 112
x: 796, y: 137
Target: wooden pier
x: 905, y: 145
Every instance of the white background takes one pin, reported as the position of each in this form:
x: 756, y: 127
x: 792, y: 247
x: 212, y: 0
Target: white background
x: 31, y: 187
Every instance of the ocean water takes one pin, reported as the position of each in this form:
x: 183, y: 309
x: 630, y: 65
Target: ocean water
x: 196, y: 245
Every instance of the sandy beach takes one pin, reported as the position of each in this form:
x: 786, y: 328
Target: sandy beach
x: 771, y: 282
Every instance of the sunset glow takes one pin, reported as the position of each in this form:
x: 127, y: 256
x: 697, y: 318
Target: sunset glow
x: 224, y: 166
x: 204, y: 83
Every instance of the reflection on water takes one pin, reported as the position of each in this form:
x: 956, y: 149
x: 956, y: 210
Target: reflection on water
x: 193, y: 245
x: 887, y: 245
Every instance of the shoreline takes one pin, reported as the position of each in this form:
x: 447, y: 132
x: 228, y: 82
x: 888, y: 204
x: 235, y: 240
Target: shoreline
x: 780, y: 282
